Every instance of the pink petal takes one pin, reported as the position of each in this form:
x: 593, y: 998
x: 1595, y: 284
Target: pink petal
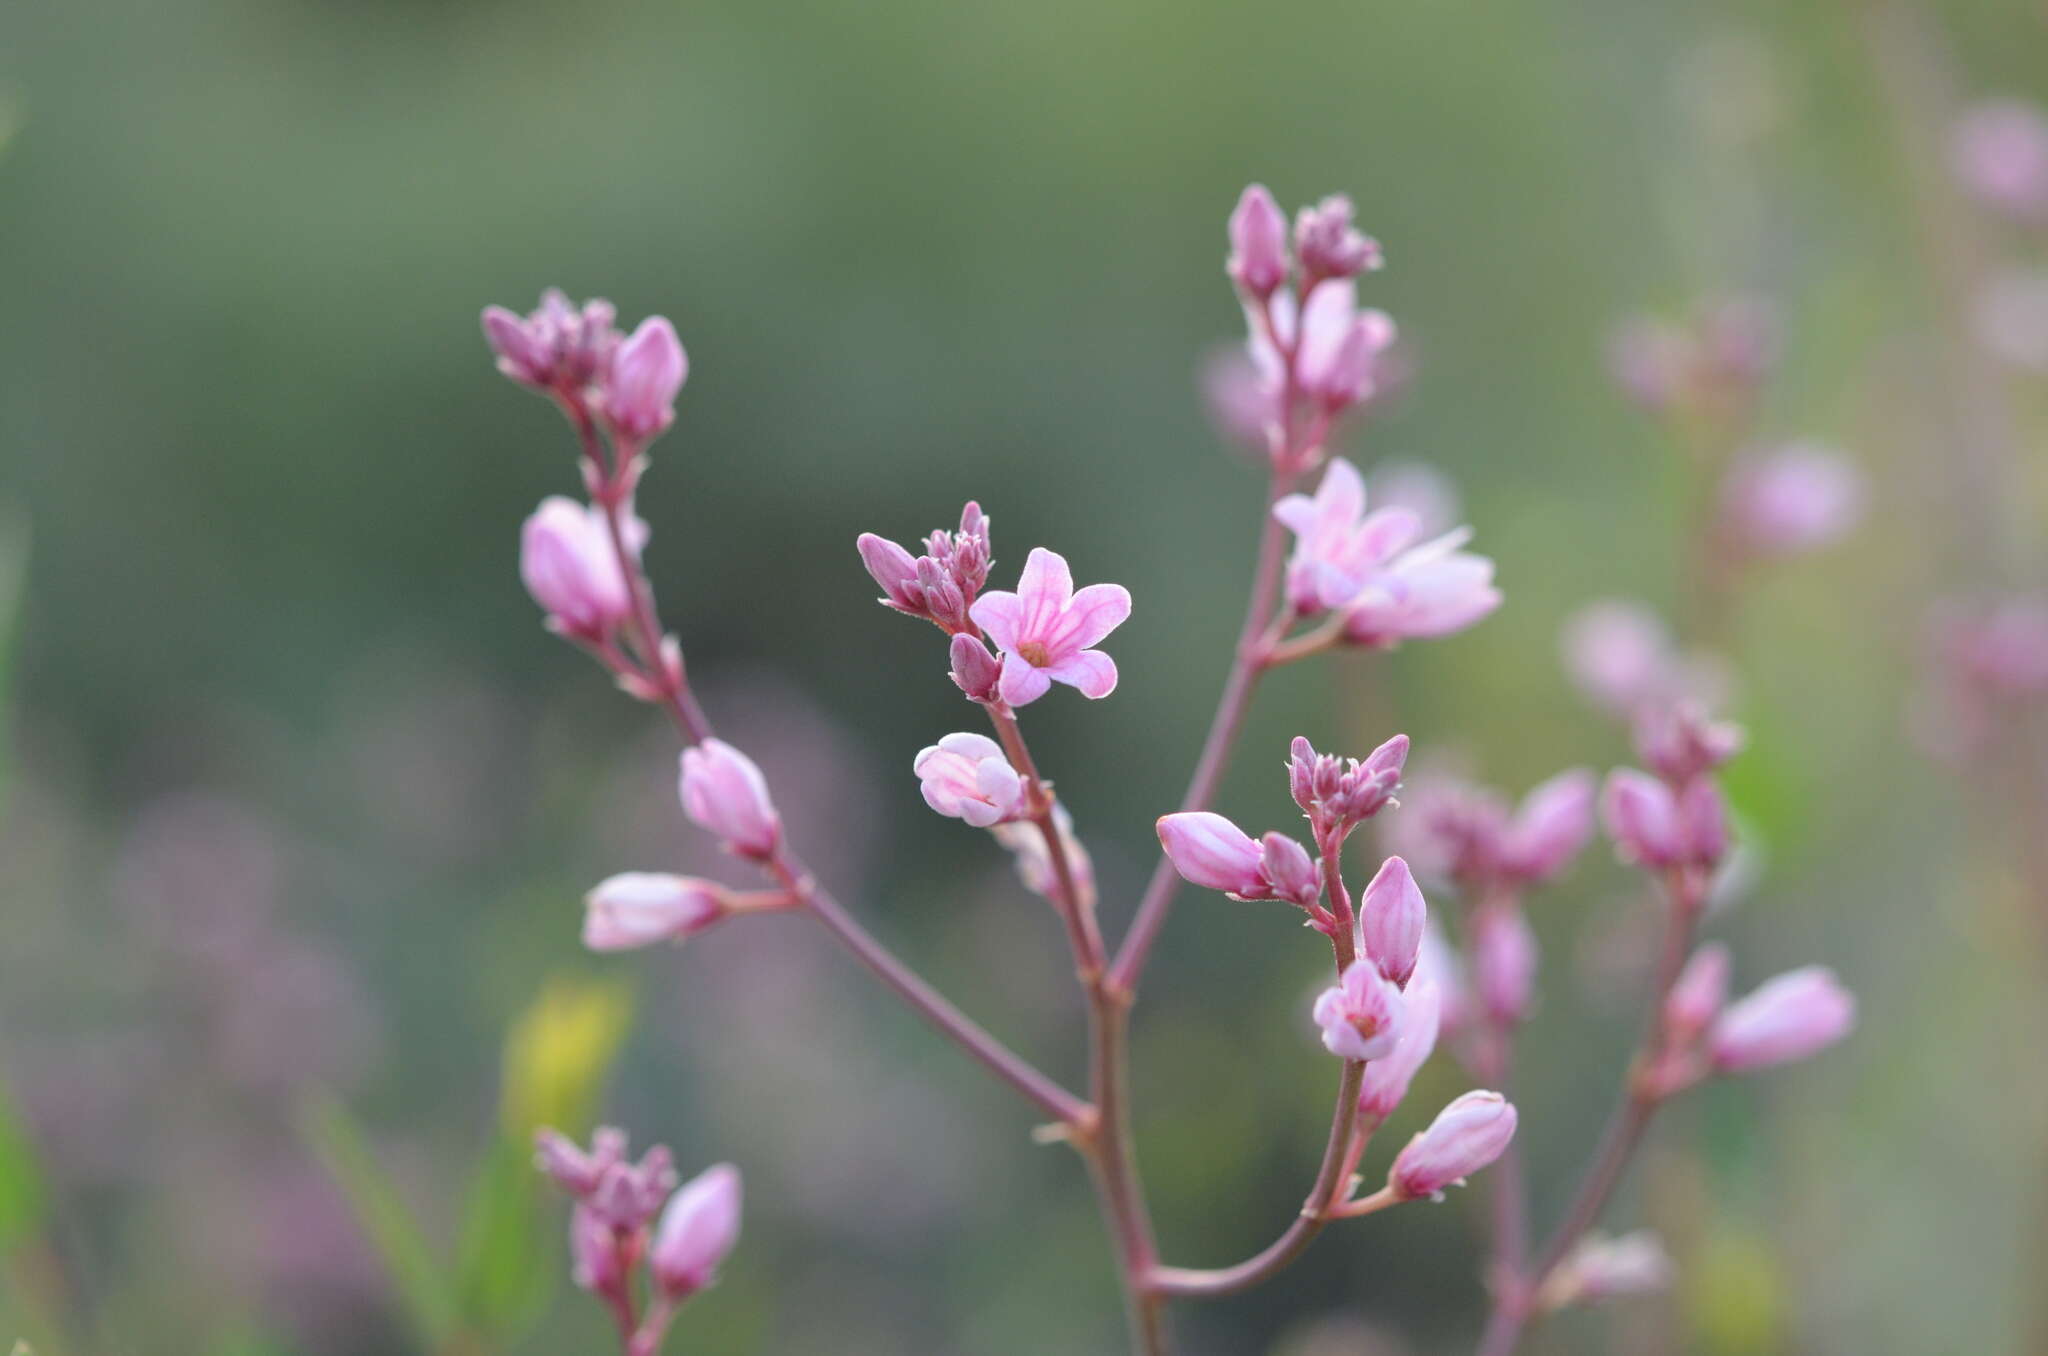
x: 1022, y: 684
x: 1092, y: 671
x: 1045, y: 588
x: 1000, y: 614
x: 1095, y: 612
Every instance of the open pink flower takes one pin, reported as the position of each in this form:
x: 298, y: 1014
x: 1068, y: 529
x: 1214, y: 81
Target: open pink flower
x: 1360, y: 1015
x: 1433, y: 589
x: 1045, y: 630
x: 1338, y: 546
x: 1338, y: 352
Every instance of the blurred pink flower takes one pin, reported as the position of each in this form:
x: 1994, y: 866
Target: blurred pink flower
x: 1796, y: 498
x: 1787, y: 1018
x: 1999, y: 151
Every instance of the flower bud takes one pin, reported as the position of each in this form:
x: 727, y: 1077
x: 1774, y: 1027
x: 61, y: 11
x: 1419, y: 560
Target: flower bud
x: 725, y: 793
x: 639, y: 908
x: 1600, y: 1268
x: 1327, y: 243
x: 975, y: 671
x: 1391, y: 915
x: 1386, y: 1080
x: 571, y: 1168
x: 594, y: 1261
x: 646, y: 372
x: 569, y: 565
x: 559, y: 347
x: 1210, y: 851
x: 1679, y: 743
x: 697, y: 1231
x: 1291, y: 874
x: 1353, y: 368
x: 1787, y: 1018
x: 1798, y: 498
x: 1703, y: 820
x: 1550, y: 826
x: 1360, y: 1015
x: 1697, y: 995
x: 968, y: 777
x: 1504, y: 958
x: 1642, y: 819
x: 895, y: 569
x: 1258, y: 243
x: 1466, y: 1136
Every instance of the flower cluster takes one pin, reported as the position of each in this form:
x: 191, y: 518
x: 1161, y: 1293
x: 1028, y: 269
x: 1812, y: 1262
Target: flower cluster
x: 940, y: 585
x: 613, y: 1228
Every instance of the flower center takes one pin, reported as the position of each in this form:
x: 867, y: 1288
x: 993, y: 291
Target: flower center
x: 1034, y: 653
x: 1366, y: 1025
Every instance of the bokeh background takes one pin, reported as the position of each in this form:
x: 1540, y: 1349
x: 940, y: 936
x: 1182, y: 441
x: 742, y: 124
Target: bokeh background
x: 300, y: 801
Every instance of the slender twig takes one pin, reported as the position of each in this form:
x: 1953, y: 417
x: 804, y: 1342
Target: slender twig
x: 1686, y: 893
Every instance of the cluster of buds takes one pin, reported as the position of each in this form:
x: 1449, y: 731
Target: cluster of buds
x: 577, y: 356
x: 1210, y: 851
x: 1470, y: 834
x: 613, y: 1227
x: 1659, y: 826
x: 1314, y: 351
x: 1338, y: 794
x: 1371, y: 570
x: 1682, y: 744
x: 941, y: 585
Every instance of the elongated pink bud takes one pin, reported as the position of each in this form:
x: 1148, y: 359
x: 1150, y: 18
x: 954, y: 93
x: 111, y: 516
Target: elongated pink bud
x: 569, y: 565
x: 646, y: 372
x: 1386, y: 1080
x: 639, y: 908
x: 1361, y: 1015
x: 1642, y: 819
x: 1210, y: 851
x: 1601, y: 1268
x: 594, y: 1261
x: 1291, y: 874
x: 1695, y: 999
x: 975, y: 671
x: 1466, y: 1136
x: 1680, y: 744
x: 697, y: 1232
x: 1795, y: 1015
x: 1550, y: 827
x: 1703, y: 819
x: 895, y: 569
x: 1504, y: 959
x: 573, y: 1169
x: 724, y: 792
x: 1258, y: 243
x: 1391, y: 914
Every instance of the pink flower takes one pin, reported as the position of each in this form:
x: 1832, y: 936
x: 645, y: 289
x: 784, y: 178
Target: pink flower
x: 1466, y: 1136
x: 646, y: 373
x: 1697, y: 995
x: 1045, y: 630
x: 1430, y: 590
x: 724, y: 792
x: 1336, y: 354
x: 639, y: 908
x: 697, y: 1232
x: 1210, y: 851
x: 1337, y: 545
x: 1327, y: 243
x: 1391, y: 915
x: 1786, y: 1018
x: 1504, y: 960
x: 1361, y: 1014
x: 1386, y: 1080
x: 1798, y: 498
x: 1549, y: 828
x: 2000, y: 153
x: 569, y: 565
x: 559, y: 347
x: 1258, y: 243
x: 967, y: 776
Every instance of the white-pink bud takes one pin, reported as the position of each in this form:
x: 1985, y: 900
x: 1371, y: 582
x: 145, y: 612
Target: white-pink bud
x: 1504, y: 959
x: 646, y: 372
x: 1210, y: 851
x: 697, y: 1231
x: 1642, y: 819
x: 725, y: 793
x: 639, y: 908
x: 1360, y: 1015
x: 1391, y: 915
x: 966, y: 776
x: 571, y: 568
x: 1786, y: 1018
x: 1386, y: 1080
x: 1291, y: 874
x: 1467, y: 1135
x: 1696, y: 997
x: 1550, y: 826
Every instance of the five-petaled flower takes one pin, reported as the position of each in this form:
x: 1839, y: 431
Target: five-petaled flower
x: 1045, y: 630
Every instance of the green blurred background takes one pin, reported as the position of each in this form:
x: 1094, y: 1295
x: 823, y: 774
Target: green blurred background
x: 301, y: 800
